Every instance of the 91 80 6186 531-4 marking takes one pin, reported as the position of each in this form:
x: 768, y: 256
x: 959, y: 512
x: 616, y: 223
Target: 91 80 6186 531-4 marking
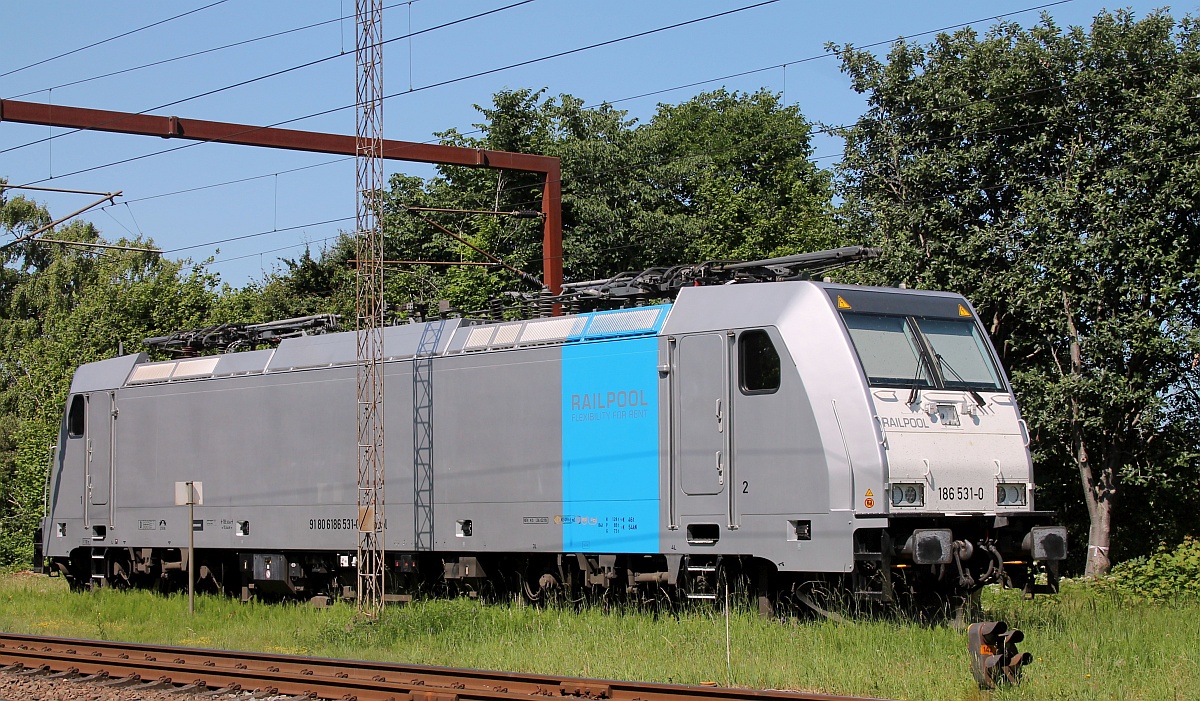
x: 331, y: 524
x: 960, y: 493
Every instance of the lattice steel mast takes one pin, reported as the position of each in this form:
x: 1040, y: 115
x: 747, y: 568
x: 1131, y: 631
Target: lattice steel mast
x: 369, y: 302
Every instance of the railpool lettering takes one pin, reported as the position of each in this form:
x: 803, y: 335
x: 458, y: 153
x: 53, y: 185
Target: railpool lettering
x: 904, y: 422
x: 605, y: 400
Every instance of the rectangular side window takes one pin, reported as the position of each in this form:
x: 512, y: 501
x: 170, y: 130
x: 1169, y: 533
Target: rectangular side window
x: 758, y: 363
x: 76, y: 417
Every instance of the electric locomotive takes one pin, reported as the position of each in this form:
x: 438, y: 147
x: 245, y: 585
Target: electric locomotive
x: 782, y: 434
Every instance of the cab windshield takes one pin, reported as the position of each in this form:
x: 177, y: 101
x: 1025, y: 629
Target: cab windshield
x: 922, y: 352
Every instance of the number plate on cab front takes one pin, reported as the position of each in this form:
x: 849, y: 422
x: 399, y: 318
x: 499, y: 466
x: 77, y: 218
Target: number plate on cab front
x: 947, y: 415
x: 957, y: 493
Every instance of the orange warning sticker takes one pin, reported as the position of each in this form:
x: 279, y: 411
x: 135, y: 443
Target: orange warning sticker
x: 869, y: 503
x: 869, y: 493
x: 962, y: 311
x: 843, y: 304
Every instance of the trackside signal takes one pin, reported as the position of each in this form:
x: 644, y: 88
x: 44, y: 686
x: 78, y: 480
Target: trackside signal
x: 994, y: 656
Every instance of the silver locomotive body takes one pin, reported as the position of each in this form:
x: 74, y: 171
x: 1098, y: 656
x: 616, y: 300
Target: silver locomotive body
x: 790, y: 432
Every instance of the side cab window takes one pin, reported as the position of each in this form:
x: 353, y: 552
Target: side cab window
x: 76, y: 417
x: 758, y: 363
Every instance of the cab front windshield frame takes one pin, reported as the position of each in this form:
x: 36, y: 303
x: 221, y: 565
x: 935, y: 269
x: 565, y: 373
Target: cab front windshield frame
x: 908, y: 351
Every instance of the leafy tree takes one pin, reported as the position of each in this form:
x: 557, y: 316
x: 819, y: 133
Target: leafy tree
x: 307, y: 285
x: 724, y: 175
x: 1052, y: 176
x: 733, y: 173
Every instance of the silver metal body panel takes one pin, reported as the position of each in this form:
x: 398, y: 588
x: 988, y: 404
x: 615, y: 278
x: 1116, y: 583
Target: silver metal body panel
x: 496, y: 463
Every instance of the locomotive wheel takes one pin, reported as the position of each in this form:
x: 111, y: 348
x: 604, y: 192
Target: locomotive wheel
x: 119, y: 568
x: 75, y: 570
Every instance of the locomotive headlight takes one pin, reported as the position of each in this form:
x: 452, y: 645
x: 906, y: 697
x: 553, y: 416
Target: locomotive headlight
x: 908, y: 495
x: 1010, y: 494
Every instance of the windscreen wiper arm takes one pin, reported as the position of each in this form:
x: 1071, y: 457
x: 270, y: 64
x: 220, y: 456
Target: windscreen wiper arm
x: 974, y: 395
x: 916, y: 381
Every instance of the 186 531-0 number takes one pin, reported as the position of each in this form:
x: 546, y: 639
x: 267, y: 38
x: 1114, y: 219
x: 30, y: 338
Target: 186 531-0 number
x: 960, y: 493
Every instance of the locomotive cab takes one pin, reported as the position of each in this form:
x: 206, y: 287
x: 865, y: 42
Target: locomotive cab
x: 959, y: 490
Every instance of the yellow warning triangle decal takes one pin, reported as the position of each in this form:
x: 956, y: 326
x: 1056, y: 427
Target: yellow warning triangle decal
x: 962, y: 311
x: 869, y: 494
x: 843, y: 304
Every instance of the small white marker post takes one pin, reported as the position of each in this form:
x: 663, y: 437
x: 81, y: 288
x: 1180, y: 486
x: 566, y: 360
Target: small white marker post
x: 190, y: 493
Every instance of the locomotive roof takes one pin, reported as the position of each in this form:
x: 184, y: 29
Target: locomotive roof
x: 454, y: 336
x: 436, y: 337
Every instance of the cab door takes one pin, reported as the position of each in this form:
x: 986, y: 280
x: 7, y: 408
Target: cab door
x: 101, y: 415
x: 701, y: 416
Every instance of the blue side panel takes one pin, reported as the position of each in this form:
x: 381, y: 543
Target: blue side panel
x: 610, y: 446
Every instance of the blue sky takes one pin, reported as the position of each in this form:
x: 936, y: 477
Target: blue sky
x: 278, y: 213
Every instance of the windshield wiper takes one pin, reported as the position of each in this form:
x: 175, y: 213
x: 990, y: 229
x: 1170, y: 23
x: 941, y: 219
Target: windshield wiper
x: 916, y: 380
x: 974, y: 395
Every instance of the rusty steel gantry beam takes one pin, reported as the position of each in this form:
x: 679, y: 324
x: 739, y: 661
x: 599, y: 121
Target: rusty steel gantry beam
x: 317, y: 142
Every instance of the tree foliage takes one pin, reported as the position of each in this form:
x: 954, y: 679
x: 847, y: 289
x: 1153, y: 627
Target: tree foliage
x: 1052, y: 176
x: 723, y: 175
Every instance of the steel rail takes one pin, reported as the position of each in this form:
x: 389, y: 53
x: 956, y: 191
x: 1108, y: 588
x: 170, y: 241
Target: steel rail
x: 342, y: 679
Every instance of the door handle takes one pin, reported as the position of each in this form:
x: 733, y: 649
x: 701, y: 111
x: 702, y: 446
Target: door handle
x: 720, y: 470
x: 720, y: 427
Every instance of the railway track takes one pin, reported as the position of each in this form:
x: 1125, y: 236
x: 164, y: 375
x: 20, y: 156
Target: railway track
x: 157, y: 667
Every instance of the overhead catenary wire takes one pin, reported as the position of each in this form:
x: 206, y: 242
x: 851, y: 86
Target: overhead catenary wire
x: 258, y: 234
x: 610, y: 172
x: 463, y: 240
x: 96, y: 244
x: 202, y: 52
x: 704, y: 154
x: 112, y: 38
x: 276, y: 250
x: 385, y: 97
x: 606, y: 102
x: 273, y: 74
x: 118, y: 221
x: 264, y: 176
x: 830, y: 54
x: 833, y: 130
x: 1026, y: 181
x: 354, y: 261
x: 843, y: 126
x: 911, y: 201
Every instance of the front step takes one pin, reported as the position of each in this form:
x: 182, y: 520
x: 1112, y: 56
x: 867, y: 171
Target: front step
x: 704, y: 574
x: 99, y: 574
x: 872, y: 579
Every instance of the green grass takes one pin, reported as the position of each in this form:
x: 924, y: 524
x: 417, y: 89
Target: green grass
x: 1087, y: 645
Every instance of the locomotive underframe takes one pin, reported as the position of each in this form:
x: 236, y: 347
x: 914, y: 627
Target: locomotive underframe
x: 984, y: 550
